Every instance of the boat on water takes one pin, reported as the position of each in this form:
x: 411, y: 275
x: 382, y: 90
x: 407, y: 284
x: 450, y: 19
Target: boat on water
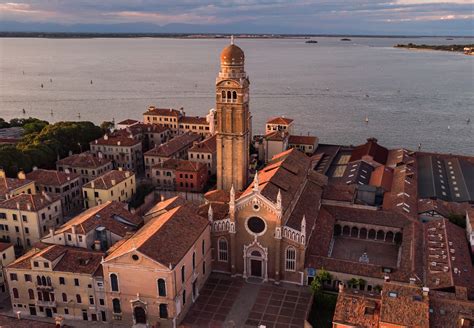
x: 311, y: 41
x: 346, y: 39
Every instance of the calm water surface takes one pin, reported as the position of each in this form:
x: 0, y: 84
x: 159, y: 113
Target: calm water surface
x: 329, y: 88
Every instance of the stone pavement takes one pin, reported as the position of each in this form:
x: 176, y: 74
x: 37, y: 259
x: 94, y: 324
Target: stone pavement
x: 232, y: 302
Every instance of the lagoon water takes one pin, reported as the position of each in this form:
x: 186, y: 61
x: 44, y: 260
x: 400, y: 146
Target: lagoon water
x: 329, y: 88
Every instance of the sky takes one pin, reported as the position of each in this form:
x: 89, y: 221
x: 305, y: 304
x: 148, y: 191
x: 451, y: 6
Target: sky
x: 410, y: 17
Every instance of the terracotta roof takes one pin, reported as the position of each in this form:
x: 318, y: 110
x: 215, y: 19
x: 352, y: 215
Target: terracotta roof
x: 111, y: 215
x: 340, y: 192
x: 128, y: 121
x: 174, y: 145
x: 403, y: 192
x: 51, y: 177
x: 189, y: 166
x: 442, y: 207
x: 35, y: 202
x: 141, y: 128
x: 450, y: 310
x: 382, y: 176
x: 218, y: 196
x: 72, y: 259
x: 374, y: 217
x: 370, y: 148
x: 193, y: 120
x: 84, y: 160
x: 162, y: 111
x: 4, y: 246
x: 357, y: 309
x: 178, y: 229
x: 219, y: 211
x: 404, y: 305
x: 8, y: 185
x: 303, y: 140
x: 276, y: 136
x: 447, y: 257
x: 208, y: 145
x: 109, y: 179
x: 290, y: 174
x: 13, y: 322
x: 280, y: 120
x: 165, y: 205
x: 399, y: 156
x: 118, y: 140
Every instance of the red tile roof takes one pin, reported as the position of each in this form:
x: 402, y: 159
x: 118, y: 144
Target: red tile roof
x: 174, y: 145
x: 51, y: 177
x: 11, y: 322
x: 303, y: 140
x: 25, y: 201
x: 280, y: 120
x: 370, y: 148
x: 447, y: 256
x: 193, y: 120
x: 208, y: 145
x: 355, y: 308
x: 71, y: 259
x: 178, y: 229
x: 84, y: 160
x: 8, y: 185
x: 165, y: 205
x: 118, y: 140
x: 340, y: 192
x: 109, y: 179
x: 162, y: 111
x: 4, y: 246
x: 450, y: 310
x: 276, y: 136
x: 128, y: 121
x: 111, y: 215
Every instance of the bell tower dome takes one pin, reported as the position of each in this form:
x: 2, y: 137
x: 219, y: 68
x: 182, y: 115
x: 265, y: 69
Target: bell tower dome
x: 233, y: 120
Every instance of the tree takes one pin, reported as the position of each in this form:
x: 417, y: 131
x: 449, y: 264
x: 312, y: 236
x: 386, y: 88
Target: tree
x: 318, y: 282
x: 316, y: 286
x: 107, y: 126
x: 353, y: 282
x: 4, y: 124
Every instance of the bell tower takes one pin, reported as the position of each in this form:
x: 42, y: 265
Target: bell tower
x: 233, y: 120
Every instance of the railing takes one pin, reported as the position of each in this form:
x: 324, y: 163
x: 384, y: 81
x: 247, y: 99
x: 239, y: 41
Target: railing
x: 46, y: 303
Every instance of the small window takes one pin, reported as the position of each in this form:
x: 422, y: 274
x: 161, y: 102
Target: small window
x: 114, y: 282
x: 116, y: 305
x: 183, y: 274
x: 62, y: 281
x: 78, y: 298
x: 161, y: 287
x: 222, y: 250
x: 76, y: 282
x: 290, y: 259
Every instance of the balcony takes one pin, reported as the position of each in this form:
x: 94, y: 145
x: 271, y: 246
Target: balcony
x: 46, y: 303
x: 44, y: 287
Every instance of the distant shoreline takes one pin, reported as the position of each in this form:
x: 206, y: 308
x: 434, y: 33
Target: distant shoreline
x: 459, y: 48
x: 83, y: 35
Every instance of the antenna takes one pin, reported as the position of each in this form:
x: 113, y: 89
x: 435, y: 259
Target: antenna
x: 231, y: 39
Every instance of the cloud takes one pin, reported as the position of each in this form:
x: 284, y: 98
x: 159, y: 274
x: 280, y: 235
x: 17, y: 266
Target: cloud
x: 311, y: 16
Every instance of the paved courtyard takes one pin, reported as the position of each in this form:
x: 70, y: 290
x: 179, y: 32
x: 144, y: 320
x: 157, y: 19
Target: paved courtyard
x: 378, y: 252
x: 232, y: 302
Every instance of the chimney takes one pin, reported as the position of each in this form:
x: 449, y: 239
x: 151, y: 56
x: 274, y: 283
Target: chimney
x: 18, y: 315
x: 113, y: 182
x: 67, y: 171
x: 70, y: 153
x: 17, y: 205
x: 162, y: 197
x: 28, y: 206
x: 51, y: 232
x: 100, y: 155
x: 120, y: 168
x: 21, y: 175
x: 412, y: 281
x: 2, y: 173
x: 426, y: 290
x: 386, y: 278
x: 92, y: 184
x: 106, y: 137
x: 73, y: 229
x: 127, y: 174
x: 97, y: 245
x: 35, y: 168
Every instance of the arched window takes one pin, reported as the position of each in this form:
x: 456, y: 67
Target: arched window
x: 31, y: 294
x: 163, y: 311
x: 194, y: 260
x: 40, y: 296
x: 161, y: 287
x: 48, y: 281
x: 183, y: 274
x: 15, y: 293
x: 229, y: 95
x: 43, y: 280
x: 78, y: 298
x: 203, y: 247
x: 116, y: 305
x: 38, y: 280
x: 234, y: 96
x: 223, y: 95
x: 114, y: 282
x: 222, y: 250
x: 290, y: 263
x: 64, y: 297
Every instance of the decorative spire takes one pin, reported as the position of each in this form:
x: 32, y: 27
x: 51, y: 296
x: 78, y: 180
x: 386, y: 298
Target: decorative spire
x: 279, y: 199
x: 210, y: 213
x: 303, y: 224
x: 231, y: 39
x: 255, y: 182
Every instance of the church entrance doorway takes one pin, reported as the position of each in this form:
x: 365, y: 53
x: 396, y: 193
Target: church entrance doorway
x: 256, y: 268
x: 140, y: 315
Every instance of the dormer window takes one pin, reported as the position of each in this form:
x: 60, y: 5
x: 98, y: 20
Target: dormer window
x: 46, y: 264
